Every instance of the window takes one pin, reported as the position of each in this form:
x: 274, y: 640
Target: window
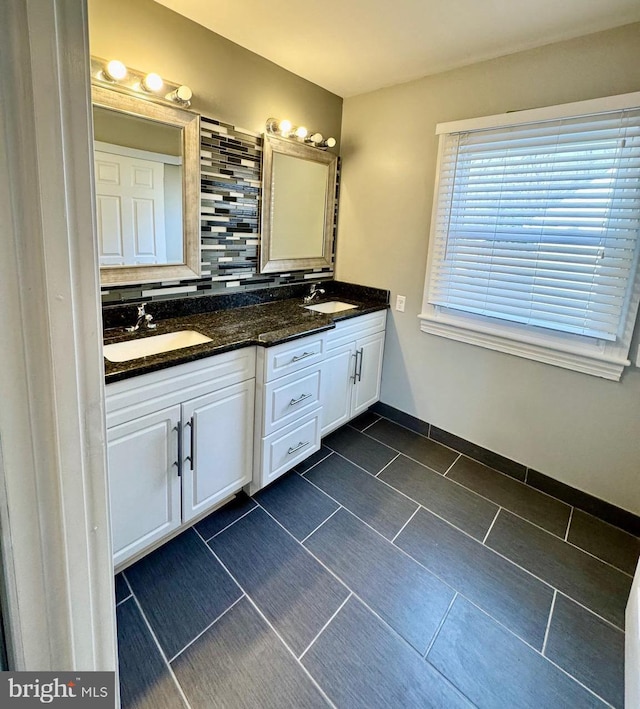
x: 535, y: 234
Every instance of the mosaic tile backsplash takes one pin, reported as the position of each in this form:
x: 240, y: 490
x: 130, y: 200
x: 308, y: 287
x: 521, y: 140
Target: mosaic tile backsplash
x: 231, y: 168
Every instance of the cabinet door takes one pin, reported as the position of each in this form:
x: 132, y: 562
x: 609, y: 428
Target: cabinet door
x: 367, y: 387
x: 336, y: 387
x: 218, y: 446
x: 144, y: 485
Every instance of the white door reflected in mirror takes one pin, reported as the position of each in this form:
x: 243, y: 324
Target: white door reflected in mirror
x: 147, y: 189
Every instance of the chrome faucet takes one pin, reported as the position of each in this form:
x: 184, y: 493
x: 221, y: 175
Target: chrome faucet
x: 144, y: 320
x: 315, y: 293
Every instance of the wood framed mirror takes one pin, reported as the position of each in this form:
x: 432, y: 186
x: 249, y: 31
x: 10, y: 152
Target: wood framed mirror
x: 298, y: 199
x: 147, y: 186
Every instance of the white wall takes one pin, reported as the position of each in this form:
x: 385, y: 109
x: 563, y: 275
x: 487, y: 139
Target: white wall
x: 574, y: 427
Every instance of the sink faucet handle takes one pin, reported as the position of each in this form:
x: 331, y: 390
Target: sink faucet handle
x: 141, y: 311
x: 148, y: 318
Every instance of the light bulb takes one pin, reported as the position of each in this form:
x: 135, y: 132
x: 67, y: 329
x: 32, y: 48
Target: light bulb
x: 330, y: 142
x: 152, y: 82
x: 285, y: 126
x: 182, y: 94
x: 316, y: 138
x: 301, y: 132
x: 115, y: 70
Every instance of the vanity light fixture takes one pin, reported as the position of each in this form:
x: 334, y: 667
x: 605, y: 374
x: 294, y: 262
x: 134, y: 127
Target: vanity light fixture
x: 285, y: 129
x: 114, y: 70
x: 149, y: 85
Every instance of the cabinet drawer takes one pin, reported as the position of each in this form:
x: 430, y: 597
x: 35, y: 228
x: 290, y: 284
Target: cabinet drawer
x: 287, y: 447
x: 289, y: 398
x: 355, y: 328
x: 293, y: 356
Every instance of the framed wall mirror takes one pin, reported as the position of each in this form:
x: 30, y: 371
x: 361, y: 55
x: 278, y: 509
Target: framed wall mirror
x: 147, y: 186
x: 298, y: 192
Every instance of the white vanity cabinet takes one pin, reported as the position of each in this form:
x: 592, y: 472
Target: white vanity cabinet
x: 351, y: 369
x: 179, y: 441
x: 288, y: 406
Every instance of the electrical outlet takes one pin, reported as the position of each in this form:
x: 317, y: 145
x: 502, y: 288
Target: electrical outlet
x: 400, y: 302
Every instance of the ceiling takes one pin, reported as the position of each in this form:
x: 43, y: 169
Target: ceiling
x: 354, y: 46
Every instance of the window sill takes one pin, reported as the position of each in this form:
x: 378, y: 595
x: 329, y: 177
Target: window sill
x: 593, y: 359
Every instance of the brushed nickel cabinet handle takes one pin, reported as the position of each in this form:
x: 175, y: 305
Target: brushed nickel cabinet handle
x: 178, y: 464
x: 293, y: 402
x: 298, y: 447
x: 304, y: 355
x: 190, y: 457
x: 361, y: 351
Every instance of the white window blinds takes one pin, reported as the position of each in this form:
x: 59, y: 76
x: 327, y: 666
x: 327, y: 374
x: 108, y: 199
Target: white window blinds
x: 538, y: 223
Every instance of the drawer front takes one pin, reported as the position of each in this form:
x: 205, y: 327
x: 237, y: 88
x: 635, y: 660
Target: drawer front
x: 287, y: 447
x: 355, y: 328
x: 293, y: 356
x: 289, y: 398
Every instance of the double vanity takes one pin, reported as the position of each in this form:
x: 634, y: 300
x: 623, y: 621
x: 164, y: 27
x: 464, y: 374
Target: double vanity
x: 189, y: 427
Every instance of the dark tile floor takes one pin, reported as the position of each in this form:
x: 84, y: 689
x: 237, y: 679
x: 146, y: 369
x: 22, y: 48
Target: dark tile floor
x: 386, y: 571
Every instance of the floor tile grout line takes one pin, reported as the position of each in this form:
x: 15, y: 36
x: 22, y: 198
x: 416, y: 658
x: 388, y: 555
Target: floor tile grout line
x: 268, y: 622
x: 459, y: 452
x: 440, y: 624
x: 119, y: 603
x: 459, y: 593
x: 344, y: 457
x: 224, y: 529
x: 506, y: 509
x: 362, y: 430
x: 546, y: 632
x: 566, y: 535
x: 486, y: 536
x: 475, y: 460
x: 386, y: 466
x: 462, y: 531
x: 126, y: 580
x: 408, y: 456
x: 393, y: 630
x: 612, y: 625
x: 506, y: 558
x: 348, y: 588
x: 160, y: 650
x: 302, y: 541
x: 446, y: 472
x: 428, y: 436
x: 326, y: 625
x: 397, y: 534
x: 201, y: 633
x: 311, y: 467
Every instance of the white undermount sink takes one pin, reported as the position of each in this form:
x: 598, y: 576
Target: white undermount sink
x: 332, y: 306
x: 145, y: 346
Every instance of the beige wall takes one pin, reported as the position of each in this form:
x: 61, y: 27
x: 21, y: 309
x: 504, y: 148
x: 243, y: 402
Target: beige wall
x: 229, y: 83
x: 579, y: 429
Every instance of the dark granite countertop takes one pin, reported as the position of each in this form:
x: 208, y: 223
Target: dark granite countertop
x: 265, y: 324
